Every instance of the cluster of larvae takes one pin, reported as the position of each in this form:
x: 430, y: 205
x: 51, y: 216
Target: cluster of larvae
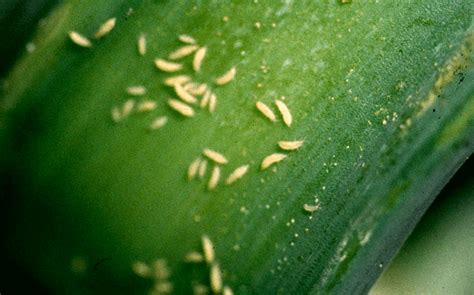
x: 159, y: 273
x: 191, y: 94
x: 188, y: 92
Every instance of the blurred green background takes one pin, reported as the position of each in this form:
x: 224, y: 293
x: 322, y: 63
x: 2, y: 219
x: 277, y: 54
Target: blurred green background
x: 438, y: 257
x: 18, y: 19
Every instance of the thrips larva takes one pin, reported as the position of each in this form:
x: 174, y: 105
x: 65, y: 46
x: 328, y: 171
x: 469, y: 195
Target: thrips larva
x: 161, y: 270
x: 290, y: 145
x: 136, y: 90
x: 105, y: 28
x: 208, y: 249
x: 159, y: 123
x: 141, y: 44
x: 167, y: 66
x: 215, y: 156
x: 266, y: 111
x: 146, y: 106
x: 116, y: 114
x: 181, y: 107
x: 272, y: 159
x: 227, y: 77
x: 184, y: 95
x: 183, y: 51
x: 311, y: 208
x: 193, y: 168
x: 212, y: 102
x: 141, y: 269
x: 199, y: 58
x: 200, y: 289
x: 187, y: 39
x: 202, y: 168
x: 214, y: 179
x: 79, y: 39
x: 285, y: 112
x: 237, y: 174
x: 162, y: 287
x: 227, y: 291
x: 190, y: 85
x: 196, y: 89
x: 216, y: 278
x: 205, y: 99
x: 194, y: 257
x: 128, y: 108
x: 180, y: 79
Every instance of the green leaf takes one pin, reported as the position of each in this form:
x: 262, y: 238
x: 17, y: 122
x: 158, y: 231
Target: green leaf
x: 382, y: 94
x: 437, y: 258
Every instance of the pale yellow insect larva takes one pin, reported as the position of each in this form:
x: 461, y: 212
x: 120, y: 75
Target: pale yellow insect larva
x: 116, y: 114
x: 214, y: 179
x: 199, y: 58
x: 180, y: 79
x: 190, y: 85
x: 158, y: 123
x: 200, y: 289
x: 266, y: 111
x: 202, y: 168
x: 194, y: 257
x: 193, y: 168
x: 181, y: 107
x: 215, y: 156
x: 146, y: 106
x: 227, y: 291
x: 290, y: 145
x: 272, y: 159
x: 205, y: 99
x: 160, y: 268
x: 79, y: 39
x: 311, y: 208
x: 226, y: 77
x: 128, y: 108
x: 184, y: 95
x: 237, y: 174
x: 30, y: 47
x: 285, y: 112
x: 187, y: 39
x: 167, y: 66
x: 136, y: 90
x: 162, y: 287
x: 141, y: 269
x: 212, y: 103
x: 183, y: 51
x: 216, y: 278
x: 196, y: 89
x: 207, y: 249
x: 141, y: 44
x: 201, y: 89
x: 105, y: 28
